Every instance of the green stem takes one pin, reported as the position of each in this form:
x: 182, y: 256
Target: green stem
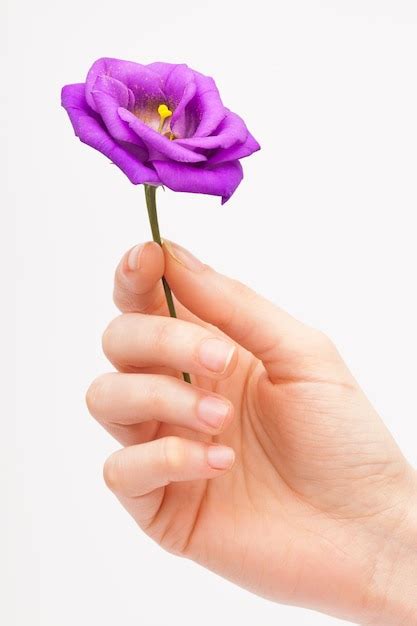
x: 150, y: 195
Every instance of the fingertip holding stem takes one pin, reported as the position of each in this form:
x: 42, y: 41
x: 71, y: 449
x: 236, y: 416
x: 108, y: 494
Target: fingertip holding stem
x: 144, y: 256
x: 134, y: 257
x: 183, y: 257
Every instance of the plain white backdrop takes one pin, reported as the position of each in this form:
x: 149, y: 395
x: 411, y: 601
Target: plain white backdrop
x: 323, y: 224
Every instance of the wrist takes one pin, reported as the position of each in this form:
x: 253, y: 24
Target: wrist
x: 392, y: 593
x: 391, y: 598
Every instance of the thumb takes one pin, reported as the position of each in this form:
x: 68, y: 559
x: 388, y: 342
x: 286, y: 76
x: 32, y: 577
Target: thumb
x: 284, y: 345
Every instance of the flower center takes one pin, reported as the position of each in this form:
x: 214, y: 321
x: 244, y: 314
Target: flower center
x: 156, y: 116
x: 164, y: 114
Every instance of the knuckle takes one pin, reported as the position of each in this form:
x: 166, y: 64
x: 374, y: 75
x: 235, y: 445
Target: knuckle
x: 110, y: 337
x: 162, y: 334
x: 174, y: 453
x: 242, y: 291
x: 112, y: 472
x: 152, y: 395
x: 96, y: 395
x: 91, y: 396
x: 323, y: 341
x: 241, y: 294
x: 124, y: 299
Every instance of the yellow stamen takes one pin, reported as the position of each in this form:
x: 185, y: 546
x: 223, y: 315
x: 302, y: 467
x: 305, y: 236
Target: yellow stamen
x: 164, y: 112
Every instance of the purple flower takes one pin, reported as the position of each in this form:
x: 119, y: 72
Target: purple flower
x: 161, y: 124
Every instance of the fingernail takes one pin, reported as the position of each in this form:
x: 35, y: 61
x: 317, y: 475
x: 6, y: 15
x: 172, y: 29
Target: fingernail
x: 183, y: 256
x: 216, y: 354
x: 133, y: 260
x: 220, y: 457
x: 213, y: 411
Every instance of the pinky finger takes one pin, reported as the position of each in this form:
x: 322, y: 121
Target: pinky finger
x: 145, y: 469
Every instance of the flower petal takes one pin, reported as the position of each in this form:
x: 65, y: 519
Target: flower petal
x: 200, y: 109
x: 208, y: 105
x: 162, y: 69
x: 109, y: 94
x: 89, y: 129
x: 180, y: 87
x: 219, y: 180
x: 142, y: 81
x: 238, y: 151
x: 230, y: 131
x: 158, y: 145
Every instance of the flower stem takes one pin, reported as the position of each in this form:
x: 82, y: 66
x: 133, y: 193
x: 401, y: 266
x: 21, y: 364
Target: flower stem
x: 150, y: 195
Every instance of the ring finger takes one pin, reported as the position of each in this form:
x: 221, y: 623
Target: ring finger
x: 131, y: 405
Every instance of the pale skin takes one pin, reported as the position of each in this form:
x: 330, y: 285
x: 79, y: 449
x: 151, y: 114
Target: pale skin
x: 272, y: 468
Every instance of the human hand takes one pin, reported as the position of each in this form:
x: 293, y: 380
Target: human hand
x: 319, y: 507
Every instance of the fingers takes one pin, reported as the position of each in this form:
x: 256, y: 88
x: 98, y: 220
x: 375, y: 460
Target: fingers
x: 137, y: 285
x: 139, y: 470
x: 271, y: 334
x: 118, y: 400
x: 135, y: 341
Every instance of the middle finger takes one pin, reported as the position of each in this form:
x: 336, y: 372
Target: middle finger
x: 135, y: 341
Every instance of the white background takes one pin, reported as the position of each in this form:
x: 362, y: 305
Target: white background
x: 323, y: 224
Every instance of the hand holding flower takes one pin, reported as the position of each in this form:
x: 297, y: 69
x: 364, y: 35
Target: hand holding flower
x: 273, y: 469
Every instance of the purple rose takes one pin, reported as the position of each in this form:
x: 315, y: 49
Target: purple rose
x: 161, y: 124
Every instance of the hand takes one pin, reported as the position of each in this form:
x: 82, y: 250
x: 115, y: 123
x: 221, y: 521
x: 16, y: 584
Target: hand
x: 272, y: 468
